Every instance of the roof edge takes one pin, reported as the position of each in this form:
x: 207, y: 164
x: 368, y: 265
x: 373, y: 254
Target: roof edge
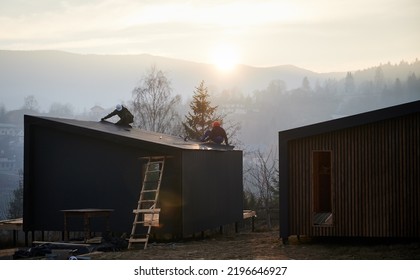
x: 131, y: 136
x: 351, y: 121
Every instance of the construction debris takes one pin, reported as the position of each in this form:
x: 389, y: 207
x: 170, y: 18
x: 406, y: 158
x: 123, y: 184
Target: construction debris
x: 70, y: 251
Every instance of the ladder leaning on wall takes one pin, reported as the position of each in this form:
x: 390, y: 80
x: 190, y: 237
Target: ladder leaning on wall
x: 147, y: 212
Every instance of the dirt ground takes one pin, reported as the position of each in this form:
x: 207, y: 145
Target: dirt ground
x: 260, y: 245
x: 266, y: 245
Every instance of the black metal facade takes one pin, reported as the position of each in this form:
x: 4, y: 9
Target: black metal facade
x: 73, y: 164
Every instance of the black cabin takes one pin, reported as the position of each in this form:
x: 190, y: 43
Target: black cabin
x: 72, y: 164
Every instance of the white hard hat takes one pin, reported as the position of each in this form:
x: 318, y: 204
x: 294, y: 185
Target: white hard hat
x: 118, y: 107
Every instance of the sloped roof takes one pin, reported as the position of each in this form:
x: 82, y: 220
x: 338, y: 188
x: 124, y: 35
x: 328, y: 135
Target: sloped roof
x: 108, y: 129
x: 351, y: 121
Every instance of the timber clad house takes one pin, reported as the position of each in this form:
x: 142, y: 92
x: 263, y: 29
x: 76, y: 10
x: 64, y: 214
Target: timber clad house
x: 71, y: 164
x: 357, y: 176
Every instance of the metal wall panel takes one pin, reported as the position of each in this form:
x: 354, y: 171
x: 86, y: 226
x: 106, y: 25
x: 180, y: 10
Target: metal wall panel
x: 67, y: 171
x: 212, y: 189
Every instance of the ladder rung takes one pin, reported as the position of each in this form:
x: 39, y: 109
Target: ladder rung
x: 160, y: 162
x: 138, y: 240
x: 147, y: 211
x: 153, y: 171
x: 148, y: 191
x: 157, y: 159
x: 147, y: 200
x: 151, y: 181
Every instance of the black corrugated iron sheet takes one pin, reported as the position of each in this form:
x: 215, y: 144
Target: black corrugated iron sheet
x: 110, y: 129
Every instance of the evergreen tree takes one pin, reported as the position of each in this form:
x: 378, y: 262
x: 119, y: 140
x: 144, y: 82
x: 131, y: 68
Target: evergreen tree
x: 305, y: 84
x: 379, y: 80
x: 349, y: 85
x: 201, y: 115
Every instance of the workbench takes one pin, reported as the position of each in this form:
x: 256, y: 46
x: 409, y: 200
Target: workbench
x: 86, y: 214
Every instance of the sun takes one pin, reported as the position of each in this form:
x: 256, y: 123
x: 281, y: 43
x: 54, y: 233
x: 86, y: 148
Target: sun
x: 225, y: 57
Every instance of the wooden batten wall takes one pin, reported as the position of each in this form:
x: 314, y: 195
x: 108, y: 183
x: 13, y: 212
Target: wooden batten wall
x: 375, y: 180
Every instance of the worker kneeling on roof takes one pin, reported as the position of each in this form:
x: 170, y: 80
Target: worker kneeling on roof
x: 125, y: 115
x: 217, y: 134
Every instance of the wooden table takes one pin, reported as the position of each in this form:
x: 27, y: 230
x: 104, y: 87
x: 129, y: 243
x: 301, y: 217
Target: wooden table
x: 86, y: 214
x: 13, y: 224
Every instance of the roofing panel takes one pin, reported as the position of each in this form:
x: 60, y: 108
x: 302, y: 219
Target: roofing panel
x: 109, y: 128
x: 351, y: 121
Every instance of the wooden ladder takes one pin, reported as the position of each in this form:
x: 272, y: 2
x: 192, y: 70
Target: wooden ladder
x: 147, y: 212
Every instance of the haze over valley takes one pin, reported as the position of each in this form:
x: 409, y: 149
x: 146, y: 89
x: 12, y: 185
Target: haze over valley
x: 88, y: 80
x: 267, y: 65
x: 261, y: 100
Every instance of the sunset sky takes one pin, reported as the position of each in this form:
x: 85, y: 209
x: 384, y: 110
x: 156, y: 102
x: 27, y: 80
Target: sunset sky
x: 319, y: 35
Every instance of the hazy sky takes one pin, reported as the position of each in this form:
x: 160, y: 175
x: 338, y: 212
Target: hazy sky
x: 319, y: 35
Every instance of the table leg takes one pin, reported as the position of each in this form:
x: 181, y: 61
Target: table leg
x: 66, y: 233
x: 87, y: 226
x: 108, y: 227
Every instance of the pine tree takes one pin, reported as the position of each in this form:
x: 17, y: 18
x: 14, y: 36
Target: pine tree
x: 349, y: 85
x: 201, y: 115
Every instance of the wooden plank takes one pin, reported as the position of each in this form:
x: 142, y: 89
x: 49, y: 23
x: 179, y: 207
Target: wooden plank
x: 64, y: 244
x: 148, y: 220
x: 138, y: 240
x: 249, y: 214
x: 148, y: 211
x: 12, y: 224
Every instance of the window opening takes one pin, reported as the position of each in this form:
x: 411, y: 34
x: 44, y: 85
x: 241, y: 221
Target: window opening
x: 322, y: 188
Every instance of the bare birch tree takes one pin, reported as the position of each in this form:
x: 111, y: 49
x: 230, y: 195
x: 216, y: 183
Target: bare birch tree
x: 261, y: 176
x: 154, y: 107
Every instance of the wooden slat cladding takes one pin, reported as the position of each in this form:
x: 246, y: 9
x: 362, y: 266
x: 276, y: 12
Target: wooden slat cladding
x: 375, y: 180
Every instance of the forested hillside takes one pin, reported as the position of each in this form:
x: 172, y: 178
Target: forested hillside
x: 256, y: 102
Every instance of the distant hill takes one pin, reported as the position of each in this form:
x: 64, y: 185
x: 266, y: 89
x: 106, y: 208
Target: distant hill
x: 88, y: 80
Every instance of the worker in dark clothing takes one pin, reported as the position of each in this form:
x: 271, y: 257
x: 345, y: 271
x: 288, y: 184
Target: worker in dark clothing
x: 125, y: 115
x: 217, y: 134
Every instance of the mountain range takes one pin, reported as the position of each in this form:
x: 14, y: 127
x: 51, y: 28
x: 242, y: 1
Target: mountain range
x: 86, y: 80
